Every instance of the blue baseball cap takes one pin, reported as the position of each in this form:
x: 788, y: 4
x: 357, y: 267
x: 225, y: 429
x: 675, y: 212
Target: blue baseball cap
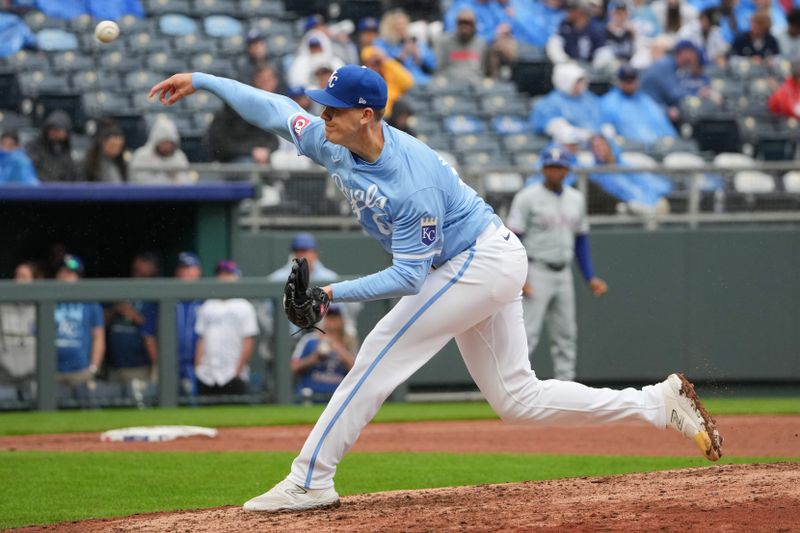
x: 188, y: 259
x: 303, y: 241
x: 352, y: 86
x: 556, y: 157
x: 228, y: 266
x: 627, y: 72
x: 368, y: 24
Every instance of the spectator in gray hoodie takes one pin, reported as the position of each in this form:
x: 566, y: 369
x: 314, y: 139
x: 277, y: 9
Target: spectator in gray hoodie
x: 462, y: 54
x: 51, y: 152
x: 160, y: 160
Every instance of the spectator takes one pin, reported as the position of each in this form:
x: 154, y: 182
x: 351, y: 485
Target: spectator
x: 488, y: 14
x: 18, y: 334
x: 532, y: 23
x: 257, y: 56
x: 399, y: 44
x: 51, y: 152
x: 334, y: 36
x: 304, y: 245
x: 80, y: 338
x: 105, y: 159
x: 631, y: 113
x: 673, y: 14
x: 188, y: 269
x: 226, y: 332
x: 579, y: 36
x: 401, y: 113
x: 462, y: 55
x: 642, y: 192
x: 367, y: 32
x: 9, y: 141
x: 15, y: 166
x: 789, y: 39
x: 757, y: 43
x: 569, y: 105
x: 745, y: 9
x: 677, y: 76
x: 728, y: 24
x: 233, y: 139
x: 313, y: 52
x: 503, y: 53
x: 706, y: 34
x: 620, y: 37
x: 656, y: 48
x: 786, y: 100
x: 398, y: 79
x: 321, y: 360
x: 132, y: 353
x: 644, y: 20
x: 161, y: 160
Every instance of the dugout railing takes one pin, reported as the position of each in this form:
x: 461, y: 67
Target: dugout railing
x: 45, y: 295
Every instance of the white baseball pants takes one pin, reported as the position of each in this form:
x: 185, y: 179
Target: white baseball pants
x: 474, y: 297
x: 553, y: 303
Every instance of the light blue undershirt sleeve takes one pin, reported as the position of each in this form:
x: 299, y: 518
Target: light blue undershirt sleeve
x: 268, y: 111
x: 403, y: 278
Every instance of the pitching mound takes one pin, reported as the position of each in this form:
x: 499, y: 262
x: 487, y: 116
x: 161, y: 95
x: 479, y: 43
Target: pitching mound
x: 764, y: 497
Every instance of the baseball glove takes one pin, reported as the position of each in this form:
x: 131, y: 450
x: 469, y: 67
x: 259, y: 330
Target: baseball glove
x: 304, y: 305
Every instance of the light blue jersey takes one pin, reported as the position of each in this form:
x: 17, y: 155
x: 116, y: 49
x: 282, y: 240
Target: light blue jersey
x: 410, y: 200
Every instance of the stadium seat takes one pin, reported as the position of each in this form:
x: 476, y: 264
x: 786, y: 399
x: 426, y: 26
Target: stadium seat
x: 164, y: 63
x: 82, y: 24
x: 188, y: 45
x: 97, y: 104
x: 25, y: 60
x: 425, y: 124
x: 525, y: 160
x: 161, y: 7
x: 176, y: 25
x: 203, y: 101
x: 753, y: 182
x: 270, y: 26
x: 638, y: 159
x: 483, y: 160
x: 729, y: 89
x: 533, y: 77
x: 693, y: 109
x: 666, y: 145
x: 52, y: 39
x: 358, y: 9
x: 488, y: 86
x: 141, y: 103
x: 448, y: 104
x: 717, y: 134
x: 129, y: 24
x: 143, y: 43
x: 479, y: 143
x: 791, y: 181
x: 733, y: 160
x: 261, y: 8
x: 281, y: 44
x: 437, y: 142
x: 524, y: 142
x: 502, y: 182
x: 141, y: 80
x: 510, y: 124
x: 34, y: 84
x: 12, y: 121
x: 284, y: 160
x: 206, y: 8
x: 707, y: 182
x: 441, y: 85
x: 90, y: 45
x: 463, y: 124
x: 498, y: 103
x: 118, y: 61
x: 88, y: 80
x: 222, y: 26
x: 745, y: 69
x: 71, y: 62
x: 232, y: 46
x: 36, y: 21
x: 212, y: 64
x: 585, y: 158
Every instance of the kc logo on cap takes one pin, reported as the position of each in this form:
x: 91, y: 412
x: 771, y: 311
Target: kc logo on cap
x: 352, y: 86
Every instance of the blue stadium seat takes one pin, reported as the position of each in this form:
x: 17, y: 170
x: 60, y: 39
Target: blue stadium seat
x: 53, y: 39
x: 71, y: 62
x: 222, y: 26
x: 464, y: 124
x: 510, y: 124
x: 175, y: 24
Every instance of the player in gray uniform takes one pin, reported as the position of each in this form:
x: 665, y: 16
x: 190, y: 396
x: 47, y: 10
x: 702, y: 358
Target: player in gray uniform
x: 550, y: 219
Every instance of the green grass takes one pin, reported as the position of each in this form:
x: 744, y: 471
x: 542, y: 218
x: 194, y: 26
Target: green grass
x: 23, y: 423
x: 41, y: 488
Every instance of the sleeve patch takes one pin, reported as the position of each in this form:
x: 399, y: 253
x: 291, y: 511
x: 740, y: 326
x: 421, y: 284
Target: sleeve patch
x: 299, y: 123
x: 428, y: 230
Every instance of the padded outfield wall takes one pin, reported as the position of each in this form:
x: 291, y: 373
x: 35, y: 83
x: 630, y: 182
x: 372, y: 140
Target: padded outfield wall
x: 720, y: 303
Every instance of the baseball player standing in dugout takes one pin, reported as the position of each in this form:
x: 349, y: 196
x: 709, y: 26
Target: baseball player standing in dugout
x: 550, y: 219
x: 458, y: 272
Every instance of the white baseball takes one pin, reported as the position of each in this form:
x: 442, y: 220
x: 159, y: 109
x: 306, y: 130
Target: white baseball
x: 106, y: 31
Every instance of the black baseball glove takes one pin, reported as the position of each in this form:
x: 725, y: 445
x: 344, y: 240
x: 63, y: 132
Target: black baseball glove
x: 304, y: 305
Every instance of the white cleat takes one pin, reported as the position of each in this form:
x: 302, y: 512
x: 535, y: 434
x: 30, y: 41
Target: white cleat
x: 687, y: 415
x: 288, y: 496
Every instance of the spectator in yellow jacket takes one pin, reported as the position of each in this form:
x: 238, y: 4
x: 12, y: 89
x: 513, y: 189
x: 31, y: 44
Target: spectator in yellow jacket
x: 398, y: 78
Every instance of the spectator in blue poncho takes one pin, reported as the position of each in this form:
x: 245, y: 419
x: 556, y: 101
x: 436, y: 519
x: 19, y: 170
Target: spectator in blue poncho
x: 634, y: 115
x: 14, y: 35
x: 642, y: 192
x: 570, y: 104
x: 406, y: 48
x: 15, y: 166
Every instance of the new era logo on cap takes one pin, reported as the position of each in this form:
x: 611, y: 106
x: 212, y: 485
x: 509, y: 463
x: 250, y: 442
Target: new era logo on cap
x: 352, y: 86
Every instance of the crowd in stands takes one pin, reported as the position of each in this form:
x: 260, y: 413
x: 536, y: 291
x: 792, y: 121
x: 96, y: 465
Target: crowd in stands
x: 111, y: 349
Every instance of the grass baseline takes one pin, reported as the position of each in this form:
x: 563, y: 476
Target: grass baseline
x: 26, y: 423
x: 51, y: 487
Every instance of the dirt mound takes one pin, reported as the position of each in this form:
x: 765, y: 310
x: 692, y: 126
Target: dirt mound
x: 764, y: 497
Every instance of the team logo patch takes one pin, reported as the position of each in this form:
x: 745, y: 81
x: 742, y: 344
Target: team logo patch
x: 428, y: 230
x: 299, y: 124
x: 362, y: 101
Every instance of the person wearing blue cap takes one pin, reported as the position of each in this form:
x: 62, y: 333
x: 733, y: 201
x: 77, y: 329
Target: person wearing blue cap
x: 632, y: 113
x: 550, y: 218
x: 80, y: 335
x: 456, y: 269
x: 188, y: 269
x: 676, y: 76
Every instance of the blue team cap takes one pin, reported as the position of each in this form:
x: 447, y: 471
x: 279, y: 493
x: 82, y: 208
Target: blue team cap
x: 352, y: 86
x: 627, y: 72
x: 556, y: 157
x: 304, y: 241
x: 228, y: 266
x: 188, y: 259
x: 368, y: 24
